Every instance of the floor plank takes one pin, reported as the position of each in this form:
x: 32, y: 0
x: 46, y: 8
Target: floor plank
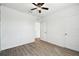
x: 39, y: 48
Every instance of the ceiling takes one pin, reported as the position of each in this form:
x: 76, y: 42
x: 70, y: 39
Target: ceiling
x: 25, y: 7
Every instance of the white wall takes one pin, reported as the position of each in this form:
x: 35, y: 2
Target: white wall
x: 54, y: 30
x: 61, y: 22
x: 17, y: 28
x: 72, y: 27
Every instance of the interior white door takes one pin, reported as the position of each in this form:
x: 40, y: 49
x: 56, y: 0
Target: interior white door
x: 37, y: 30
x: 43, y: 30
x: 72, y: 33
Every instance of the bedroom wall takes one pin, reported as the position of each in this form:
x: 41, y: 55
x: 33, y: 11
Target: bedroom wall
x: 17, y: 28
x: 52, y: 30
x: 61, y: 22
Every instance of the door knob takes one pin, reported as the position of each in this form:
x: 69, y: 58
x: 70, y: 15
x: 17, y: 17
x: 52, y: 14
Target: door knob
x: 45, y: 32
x: 65, y: 33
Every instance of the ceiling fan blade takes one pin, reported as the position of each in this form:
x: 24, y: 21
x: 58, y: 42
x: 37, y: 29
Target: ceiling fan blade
x: 41, y: 4
x: 39, y: 11
x: 33, y: 8
x: 34, y: 4
x: 45, y: 8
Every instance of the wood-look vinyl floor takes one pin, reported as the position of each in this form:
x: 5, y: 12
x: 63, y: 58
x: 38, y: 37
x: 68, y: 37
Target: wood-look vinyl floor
x: 39, y: 48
